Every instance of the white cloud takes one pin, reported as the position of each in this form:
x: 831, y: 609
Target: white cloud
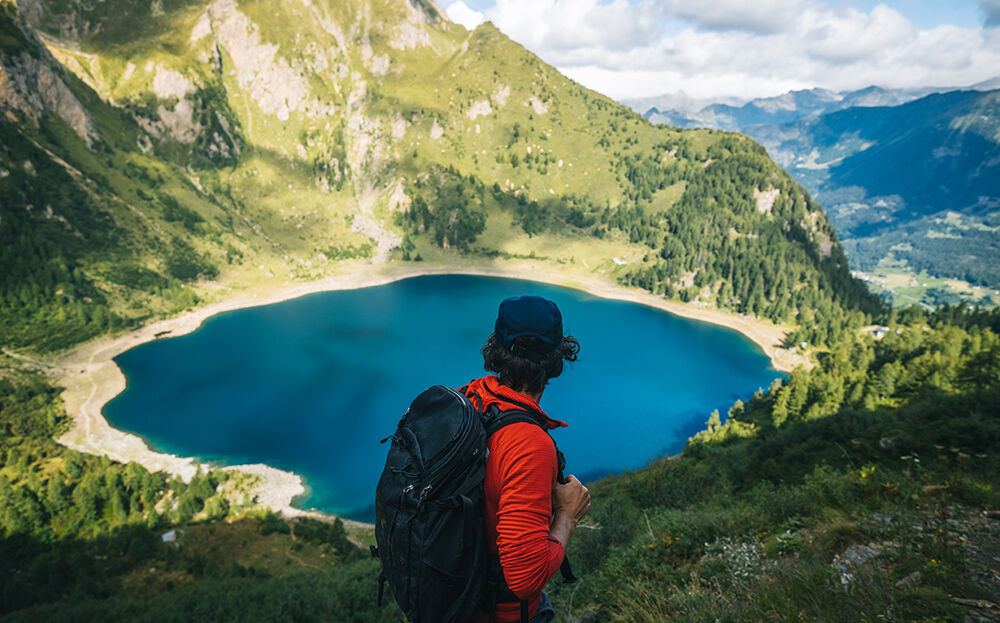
x: 572, y: 25
x: 853, y: 35
x: 720, y: 48
x: 761, y: 16
x: 460, y: 13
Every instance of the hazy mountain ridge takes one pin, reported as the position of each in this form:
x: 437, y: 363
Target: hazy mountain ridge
x: 885, y: 150
x: 735, y: 115
x: 781, y: 108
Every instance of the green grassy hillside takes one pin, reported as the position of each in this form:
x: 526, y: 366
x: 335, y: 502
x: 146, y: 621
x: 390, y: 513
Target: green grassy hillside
x: 231, y: 145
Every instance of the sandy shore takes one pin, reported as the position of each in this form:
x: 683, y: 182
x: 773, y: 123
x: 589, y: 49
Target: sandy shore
x: 91, y: 378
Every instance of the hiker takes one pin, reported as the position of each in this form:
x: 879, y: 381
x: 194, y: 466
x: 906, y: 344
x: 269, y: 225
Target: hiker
x: 472, y: 512
x: 530, y: 516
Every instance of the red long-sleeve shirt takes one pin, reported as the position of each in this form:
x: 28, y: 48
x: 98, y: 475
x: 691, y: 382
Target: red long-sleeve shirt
x: 521, y: 471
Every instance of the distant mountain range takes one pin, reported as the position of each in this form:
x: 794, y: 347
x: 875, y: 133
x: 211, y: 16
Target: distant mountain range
x: 735, y: 114
x: 910, y: 179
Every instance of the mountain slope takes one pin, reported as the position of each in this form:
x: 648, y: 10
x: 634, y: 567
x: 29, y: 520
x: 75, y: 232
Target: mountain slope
x: 917, y: 182
x: 77, y: 251
x: 236, y: 145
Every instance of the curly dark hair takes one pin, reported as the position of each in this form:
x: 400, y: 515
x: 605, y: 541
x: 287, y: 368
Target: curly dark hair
x: 524, y: 373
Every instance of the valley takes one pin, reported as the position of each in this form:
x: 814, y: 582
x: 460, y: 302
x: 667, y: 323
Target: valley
x: 908, y: 178
x: 164, y: 162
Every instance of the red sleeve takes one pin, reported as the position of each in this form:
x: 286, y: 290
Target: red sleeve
x: 528, y: 467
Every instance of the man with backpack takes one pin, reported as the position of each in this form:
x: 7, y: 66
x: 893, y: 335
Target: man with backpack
x: 530, y: 515
x: 472, y: 512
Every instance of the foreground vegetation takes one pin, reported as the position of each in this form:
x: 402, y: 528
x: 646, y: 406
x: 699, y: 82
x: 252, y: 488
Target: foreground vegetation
x: 852, y: 492
x: 81, y: 538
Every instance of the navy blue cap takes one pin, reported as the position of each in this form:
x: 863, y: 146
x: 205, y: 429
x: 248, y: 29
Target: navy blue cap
x: 529, y: 315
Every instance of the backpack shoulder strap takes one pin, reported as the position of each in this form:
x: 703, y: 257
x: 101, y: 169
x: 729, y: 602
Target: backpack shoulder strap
x: 494, y: 419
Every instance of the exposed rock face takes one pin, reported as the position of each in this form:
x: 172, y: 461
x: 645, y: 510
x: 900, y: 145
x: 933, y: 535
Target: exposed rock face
x: 429, y: 10
x: 537, y: 105
x: 69, y: 25
x: 399, y: 200
x: 855, y: 558
x: 91, y: 76
x: 168, y: 83
x: 271, y: 81
x: 398, y: 128
x: 436, y: 130
x: 202, y: 29
x: 176, y: 118
x: 378, y: 64
x: 765, y: 199
x: 29, y: 85
x: 180, y: 122
x: 481, y: 107
x: 366, y: 147
x: 31, y: 11
x: 500, y: 97
x: 410, y: 33
x: 367, y: 155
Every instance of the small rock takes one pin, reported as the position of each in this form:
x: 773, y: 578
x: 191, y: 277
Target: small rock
x: 854, y: 557
x: 910, y: 581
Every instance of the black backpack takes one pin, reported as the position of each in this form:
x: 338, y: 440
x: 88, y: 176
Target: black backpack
x: 429, y: 526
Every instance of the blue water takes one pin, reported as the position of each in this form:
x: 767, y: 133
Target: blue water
x: 311, y: 385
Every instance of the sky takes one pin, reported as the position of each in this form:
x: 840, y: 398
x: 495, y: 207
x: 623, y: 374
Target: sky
x: 750, y: 48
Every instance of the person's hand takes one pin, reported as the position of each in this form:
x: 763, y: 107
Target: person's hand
x: 571, y: 498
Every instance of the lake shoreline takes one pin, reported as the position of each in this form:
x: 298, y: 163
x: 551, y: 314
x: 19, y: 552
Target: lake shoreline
x: 91, y: 378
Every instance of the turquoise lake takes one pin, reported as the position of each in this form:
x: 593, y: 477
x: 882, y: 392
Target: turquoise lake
x: 311, y: 385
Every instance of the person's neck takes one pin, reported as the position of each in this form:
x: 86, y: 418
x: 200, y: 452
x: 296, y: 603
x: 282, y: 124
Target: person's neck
x: 536, y: 396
